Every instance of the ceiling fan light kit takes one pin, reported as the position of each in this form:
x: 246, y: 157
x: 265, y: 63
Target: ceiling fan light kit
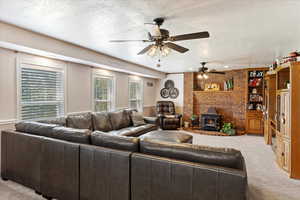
x: 162, y: 42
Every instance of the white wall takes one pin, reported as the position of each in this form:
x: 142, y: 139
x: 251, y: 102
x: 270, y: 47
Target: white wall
x: 28, y: 41
x: 179, y: 84
x: 78, y: 86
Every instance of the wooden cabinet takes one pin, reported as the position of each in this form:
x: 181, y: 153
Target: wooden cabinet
x: 254, y: 122
x: 255, y: 99
x: 287, y: 118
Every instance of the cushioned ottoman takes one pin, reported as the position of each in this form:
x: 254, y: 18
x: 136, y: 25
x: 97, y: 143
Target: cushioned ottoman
x: 168, y: 136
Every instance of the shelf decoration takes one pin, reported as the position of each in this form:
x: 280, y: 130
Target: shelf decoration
x: 255, y: 90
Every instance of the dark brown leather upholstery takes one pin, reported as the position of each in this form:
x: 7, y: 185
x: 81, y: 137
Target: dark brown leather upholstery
x: 224, y: 157
x: 60, y: 169
x: 114, y: 141
x: 168, y: 136
x: 72, y: 135
x: 158, y: 178
x: 119, y: 119
x: 35, y: 128
x: 101, y: 122
x: 104, y: 173
x: 61, y: 121
x: 80, y: 121
x: 21, y: 158
x: 165, y: 109
x: 134, y: 131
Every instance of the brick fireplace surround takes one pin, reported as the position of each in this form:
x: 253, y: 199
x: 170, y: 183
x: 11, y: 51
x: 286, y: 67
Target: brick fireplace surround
x: 231, y: 105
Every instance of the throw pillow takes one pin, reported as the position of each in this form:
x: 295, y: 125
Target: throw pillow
x: 137, y: 119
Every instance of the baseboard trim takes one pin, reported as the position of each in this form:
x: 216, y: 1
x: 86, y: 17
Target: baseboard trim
x: 8, y: 121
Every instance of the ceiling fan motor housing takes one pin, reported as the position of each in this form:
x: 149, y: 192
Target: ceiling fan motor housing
x: 159, y: 21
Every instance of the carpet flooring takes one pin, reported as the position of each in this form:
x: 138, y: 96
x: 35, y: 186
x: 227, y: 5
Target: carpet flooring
x: 266, y: 180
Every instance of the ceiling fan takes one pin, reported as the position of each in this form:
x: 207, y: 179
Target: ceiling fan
x: 162, y: 42
x: 203, y: 71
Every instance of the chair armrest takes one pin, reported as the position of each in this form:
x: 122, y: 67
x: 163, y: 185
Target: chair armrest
x: 160, y: 115
x: 178, y: 115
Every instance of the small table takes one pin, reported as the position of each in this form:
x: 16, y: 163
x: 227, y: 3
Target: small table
x: 169, y: 136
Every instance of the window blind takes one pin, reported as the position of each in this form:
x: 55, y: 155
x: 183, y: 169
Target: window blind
x: 42, y: 93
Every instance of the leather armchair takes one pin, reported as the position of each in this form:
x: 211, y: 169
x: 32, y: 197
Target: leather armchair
x: 167, y: 117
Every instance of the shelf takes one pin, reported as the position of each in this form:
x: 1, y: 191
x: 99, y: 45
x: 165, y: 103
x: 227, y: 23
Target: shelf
x: 282, y: 90
x: 200, y: 91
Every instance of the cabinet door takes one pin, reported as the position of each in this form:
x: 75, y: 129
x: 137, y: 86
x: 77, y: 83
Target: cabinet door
x: 284, y: 114
x: 286, y: 155
x: 255, y: 125
x: 279, y: 151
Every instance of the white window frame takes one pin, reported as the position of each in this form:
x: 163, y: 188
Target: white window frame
x: 36, y: 62
x: 141, y: 82
x: 98, y: 74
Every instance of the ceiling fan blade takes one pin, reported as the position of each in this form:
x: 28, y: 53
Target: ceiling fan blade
x: 213, y: 72
x: 190, y: 36
x: 146, y: 49
x: 176, y: 47
x: 130, y: 41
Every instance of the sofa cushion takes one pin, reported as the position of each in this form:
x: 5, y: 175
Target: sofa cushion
x: 224, y: 157
x: 119, y: 119
x: 71, y: 134
x: 101, y: 121
x: 80, y: 121
x: 134, y: 131
x: 61, y: 121
x: 137, y: 119
x: 103, y: 139
x: 35, y: 128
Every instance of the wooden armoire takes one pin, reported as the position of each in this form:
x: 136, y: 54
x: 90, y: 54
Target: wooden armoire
x: 284, y: 125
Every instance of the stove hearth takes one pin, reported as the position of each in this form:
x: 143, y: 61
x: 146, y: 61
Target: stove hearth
x: 211, y: 121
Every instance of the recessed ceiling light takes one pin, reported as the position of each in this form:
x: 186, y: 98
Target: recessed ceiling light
x: 226, y: 66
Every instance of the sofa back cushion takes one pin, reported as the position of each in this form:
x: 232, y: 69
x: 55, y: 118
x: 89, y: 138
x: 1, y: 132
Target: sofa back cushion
x: 80, y: 121
x: 114, y: 141
x: 101, y: 122
x: 61, y: 121
x: 35, y: 128
x: 224, y: 157
x: 119, y: 119
x: 71, y: 134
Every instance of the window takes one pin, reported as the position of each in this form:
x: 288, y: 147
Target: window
x: 103, y: 93
x: 41, y: 93
x: 135, y: 94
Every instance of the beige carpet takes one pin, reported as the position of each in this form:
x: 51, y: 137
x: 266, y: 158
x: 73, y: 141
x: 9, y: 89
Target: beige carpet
x: 266, y: 180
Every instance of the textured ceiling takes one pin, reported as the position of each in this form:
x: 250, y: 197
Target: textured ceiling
x: 243, y: 33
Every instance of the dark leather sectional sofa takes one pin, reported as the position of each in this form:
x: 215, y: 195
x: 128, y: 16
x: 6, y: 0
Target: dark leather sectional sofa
x: 64, y: 159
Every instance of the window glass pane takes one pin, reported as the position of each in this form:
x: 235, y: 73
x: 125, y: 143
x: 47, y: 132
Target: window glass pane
x: 103, y: 87
x: 135, y: 94
x: 102, y: 106
x: 42, y: 93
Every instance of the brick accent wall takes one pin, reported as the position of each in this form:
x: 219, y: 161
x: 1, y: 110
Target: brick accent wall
x: 231, y: 105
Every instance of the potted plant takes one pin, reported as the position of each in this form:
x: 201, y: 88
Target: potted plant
x: 194, y: 120
x: 228, y: 129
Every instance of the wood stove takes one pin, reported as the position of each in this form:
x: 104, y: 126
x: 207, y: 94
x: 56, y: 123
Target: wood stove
x: 211, y: 121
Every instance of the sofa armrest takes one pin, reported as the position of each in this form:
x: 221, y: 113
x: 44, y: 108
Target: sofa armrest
x: 185, y: 180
